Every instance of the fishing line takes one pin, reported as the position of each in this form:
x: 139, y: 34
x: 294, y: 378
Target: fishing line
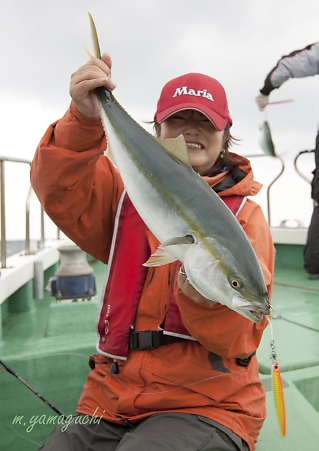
x: 296, y: 286
x: 273, y: 355
x: 77, y: 354
x: 295, y: 322
x: 8, y: 369
x: 9, y: 425
x: 180, y: 387
x: 48, y: 403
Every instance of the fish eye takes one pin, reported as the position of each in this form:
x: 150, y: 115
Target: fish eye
x: 235, y: 282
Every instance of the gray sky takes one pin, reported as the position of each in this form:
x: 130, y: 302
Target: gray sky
x: 235, y: 41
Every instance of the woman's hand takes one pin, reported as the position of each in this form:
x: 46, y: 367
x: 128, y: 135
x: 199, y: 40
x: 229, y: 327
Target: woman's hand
x: 95, y: 73
x: 189, y: 290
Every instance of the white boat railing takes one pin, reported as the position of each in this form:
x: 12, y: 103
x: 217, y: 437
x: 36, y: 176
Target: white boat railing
x: 3, y: 246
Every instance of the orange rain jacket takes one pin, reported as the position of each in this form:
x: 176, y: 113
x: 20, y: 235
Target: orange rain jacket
x: 79, y: 189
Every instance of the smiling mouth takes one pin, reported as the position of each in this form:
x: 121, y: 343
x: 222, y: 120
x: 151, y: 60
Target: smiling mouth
x: 194, y: 146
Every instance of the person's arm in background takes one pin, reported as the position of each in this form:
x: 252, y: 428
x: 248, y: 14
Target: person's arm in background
x: 298, y: 64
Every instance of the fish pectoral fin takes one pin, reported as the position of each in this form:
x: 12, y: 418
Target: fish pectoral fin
x: 176, y: 147
x: 186, y: 239
x: 95, y: 40
x: 160, y: 257
x: 108, y: 153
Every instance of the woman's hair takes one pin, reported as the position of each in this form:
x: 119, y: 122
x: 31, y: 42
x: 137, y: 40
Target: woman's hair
x: 224, y: 159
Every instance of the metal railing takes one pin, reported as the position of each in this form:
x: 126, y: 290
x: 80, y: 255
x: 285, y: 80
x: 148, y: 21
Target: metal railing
x: 3, y: 248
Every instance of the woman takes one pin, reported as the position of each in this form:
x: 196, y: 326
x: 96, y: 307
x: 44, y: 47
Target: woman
x: 196, y: 386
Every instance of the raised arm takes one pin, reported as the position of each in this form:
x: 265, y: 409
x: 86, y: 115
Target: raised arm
x: 76, y: 184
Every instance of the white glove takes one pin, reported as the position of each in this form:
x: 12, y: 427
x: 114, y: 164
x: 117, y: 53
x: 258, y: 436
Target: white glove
x: 262, y: 101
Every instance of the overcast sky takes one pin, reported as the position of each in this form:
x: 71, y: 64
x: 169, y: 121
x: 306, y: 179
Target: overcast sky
x: 235, y: 41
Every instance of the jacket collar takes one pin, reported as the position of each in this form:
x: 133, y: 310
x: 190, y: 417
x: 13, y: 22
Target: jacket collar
x: 224, y: 184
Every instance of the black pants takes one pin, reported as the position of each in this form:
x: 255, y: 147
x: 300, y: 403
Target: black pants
x: 163, y: 432
x: 311, y: 250
x: 315, y: 180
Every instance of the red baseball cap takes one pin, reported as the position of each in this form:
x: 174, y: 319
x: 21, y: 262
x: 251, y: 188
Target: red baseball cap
x: 194, y: 92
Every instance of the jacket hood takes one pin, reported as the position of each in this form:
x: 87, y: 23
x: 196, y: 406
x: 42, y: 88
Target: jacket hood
x: 245, y: 187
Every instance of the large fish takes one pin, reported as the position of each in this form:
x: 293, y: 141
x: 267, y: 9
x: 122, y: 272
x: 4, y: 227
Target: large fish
x: 188, y: 218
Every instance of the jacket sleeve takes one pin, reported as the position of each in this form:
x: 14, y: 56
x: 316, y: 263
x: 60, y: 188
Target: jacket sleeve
x: 77, y: 185
x: 218, y: 328
x: 298, y: 64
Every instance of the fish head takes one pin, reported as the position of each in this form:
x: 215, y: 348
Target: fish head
x: 218, y: 277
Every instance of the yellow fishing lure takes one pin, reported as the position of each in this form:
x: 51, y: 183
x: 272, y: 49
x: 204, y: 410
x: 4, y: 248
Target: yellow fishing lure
x: 277, y: 387
x: 278, y: 390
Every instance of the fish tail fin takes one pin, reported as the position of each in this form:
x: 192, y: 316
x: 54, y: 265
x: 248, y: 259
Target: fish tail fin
x: 88, y: 53
x: 95, y: 39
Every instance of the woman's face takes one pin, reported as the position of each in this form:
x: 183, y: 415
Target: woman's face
x: 204, y: 142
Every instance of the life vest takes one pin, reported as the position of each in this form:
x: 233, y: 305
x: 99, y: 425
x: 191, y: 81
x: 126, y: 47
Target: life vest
x: 125, y: 281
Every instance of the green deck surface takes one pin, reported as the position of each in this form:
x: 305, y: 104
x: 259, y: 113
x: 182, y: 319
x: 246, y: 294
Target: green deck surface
x: 295, y: 323
x: 302, y: 423
x: 296, y: 318
x: 296, y: 335
x: 49, y: 347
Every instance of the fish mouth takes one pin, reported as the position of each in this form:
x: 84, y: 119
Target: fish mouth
x: 251, y: 311
x: 256, y: 316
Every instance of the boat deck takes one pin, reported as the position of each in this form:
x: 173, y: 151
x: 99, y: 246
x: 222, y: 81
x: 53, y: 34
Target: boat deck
x: 48, y: 345
x: 40, y: 342
x: 296, y: 336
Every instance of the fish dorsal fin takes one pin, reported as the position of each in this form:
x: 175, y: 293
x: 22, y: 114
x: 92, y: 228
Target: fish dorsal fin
x: 176, y: 147
x: 95, y: 40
